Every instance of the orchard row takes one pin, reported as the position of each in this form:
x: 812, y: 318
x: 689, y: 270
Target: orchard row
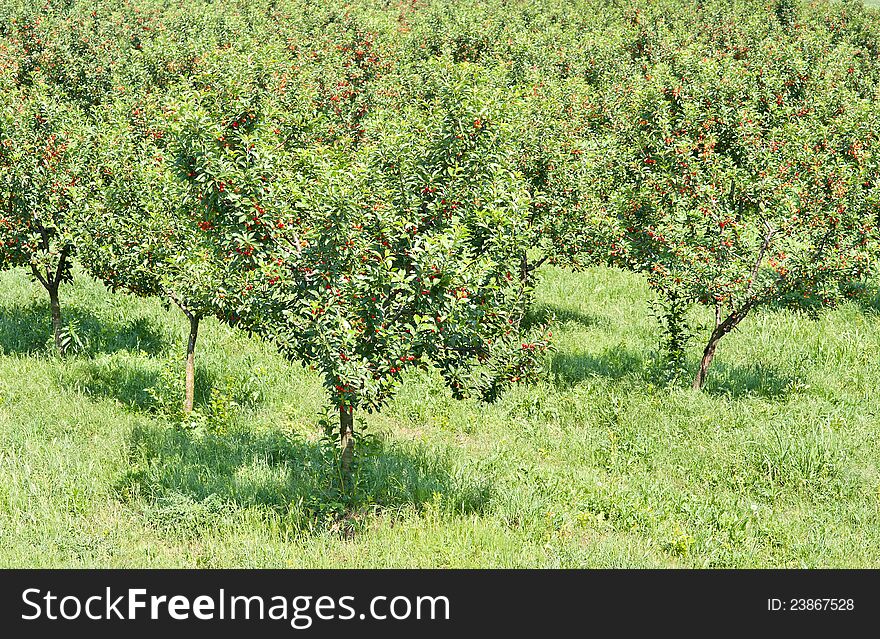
x: 374, y: 186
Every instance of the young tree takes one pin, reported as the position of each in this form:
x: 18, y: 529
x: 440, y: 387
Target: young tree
x: 40, y: 170
x: 744, y: 175
x: 146, y: 234
x: 382, y: 259
x: 57, y: 67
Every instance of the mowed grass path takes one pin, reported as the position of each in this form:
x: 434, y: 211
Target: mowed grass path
x: 775, y: 464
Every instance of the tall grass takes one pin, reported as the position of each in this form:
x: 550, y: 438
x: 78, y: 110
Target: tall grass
x: 600, y: 464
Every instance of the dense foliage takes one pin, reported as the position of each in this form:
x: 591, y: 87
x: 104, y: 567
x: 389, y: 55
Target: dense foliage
x: 743, y: 173
x: 374, y: 187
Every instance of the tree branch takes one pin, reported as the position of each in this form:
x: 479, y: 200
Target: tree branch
x: 44, y: 235
x: 39, y: 277
x: 189, y: 314
x: 62, y: 263
x: 767, y: 237
x: 535, y: 266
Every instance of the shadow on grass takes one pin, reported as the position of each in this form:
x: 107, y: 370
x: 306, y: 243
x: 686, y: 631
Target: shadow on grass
x: 143, y: 385
x: 865, y: 294
x: 866, y: 297
x: 754, y: 379
x: 27, y: 329
x: 190, y: 481
x: 615, y: 363
x: 619, y: 364
x: 128, y: 384
x: 543, y: 312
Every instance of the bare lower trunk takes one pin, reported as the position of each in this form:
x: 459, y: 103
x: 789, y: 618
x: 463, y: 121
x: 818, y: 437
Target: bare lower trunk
x: 57, y: 324
x: 708, y: 355
x: 524, y: 272
x: 722, y: 328
x: 51, y: 283
x: 191, y: 364
x: 346, y: 437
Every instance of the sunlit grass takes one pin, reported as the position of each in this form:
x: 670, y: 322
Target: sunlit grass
x: 601, y: 464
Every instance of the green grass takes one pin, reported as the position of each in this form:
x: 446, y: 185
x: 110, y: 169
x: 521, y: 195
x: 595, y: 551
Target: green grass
x: 774, y: 464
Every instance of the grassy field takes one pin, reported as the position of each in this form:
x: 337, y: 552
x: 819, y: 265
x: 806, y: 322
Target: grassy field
x: 775, y: 464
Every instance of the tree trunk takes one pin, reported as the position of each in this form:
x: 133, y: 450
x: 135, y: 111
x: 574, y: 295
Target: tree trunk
x: 708, y: 355
x: 346, y: 437
x: 51, y: 285
x: 57, y: 325
x: 527, y: 270
x: 191, y: 364
x: 524, y: 271
x: 721, y: 329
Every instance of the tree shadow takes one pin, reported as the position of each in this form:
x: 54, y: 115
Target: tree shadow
x: 618, y: 363
x: 143, y: 386
x: 27, y: 329
x: 129, y: 385
x: 865, y: 294
x: 184, y: 480
x: 542, y: 313
x: 569, y: 369
x: 866, y: 298
x: 755, y: 379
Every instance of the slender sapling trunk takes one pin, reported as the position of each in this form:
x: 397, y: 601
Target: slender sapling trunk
x: 51, y: 282
x: 527, y: 270
x: 191, y: 363
x: 722, y: 328
x: 706, y: 360
x: 346, y: 437
x: 57, y: 324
